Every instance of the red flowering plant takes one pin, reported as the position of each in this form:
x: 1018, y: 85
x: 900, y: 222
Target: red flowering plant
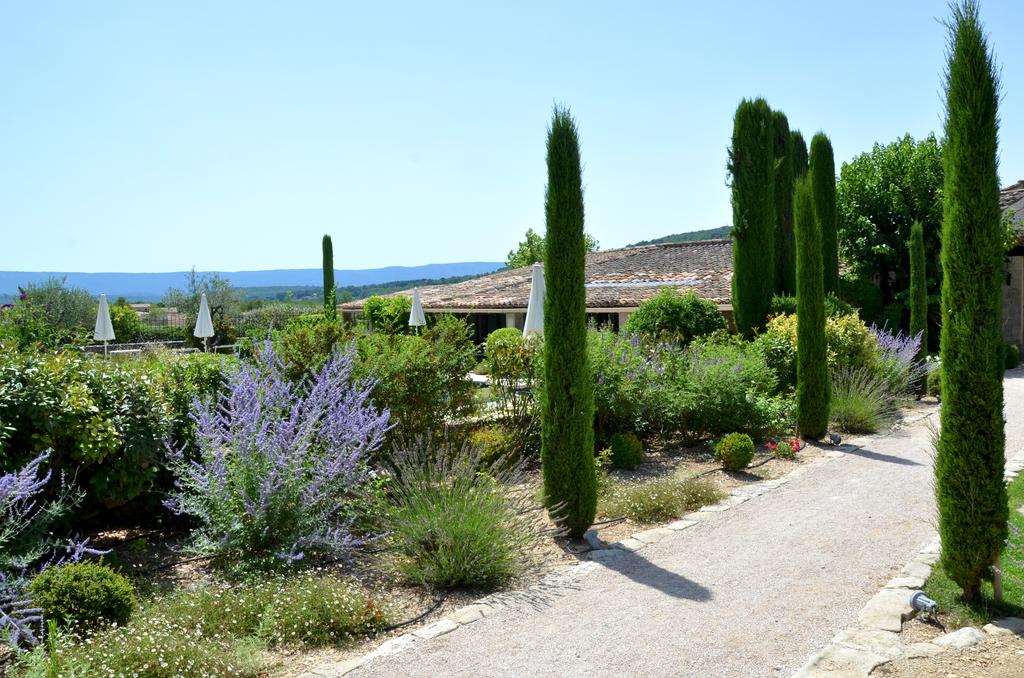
x: 786, y: 449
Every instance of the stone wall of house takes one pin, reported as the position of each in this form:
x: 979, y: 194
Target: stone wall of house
x: 1013, y: 301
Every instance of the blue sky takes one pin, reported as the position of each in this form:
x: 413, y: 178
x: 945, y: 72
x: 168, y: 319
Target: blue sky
x: 232, y: 135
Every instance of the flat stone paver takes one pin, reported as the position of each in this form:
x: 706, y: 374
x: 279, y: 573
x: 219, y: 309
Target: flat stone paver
x: 751, y: 591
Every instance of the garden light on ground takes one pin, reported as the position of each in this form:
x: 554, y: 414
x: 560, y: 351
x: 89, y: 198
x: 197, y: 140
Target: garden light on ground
x: 204, y: 324
x: 416, y: 317
x: 104, y: 329
x: 535, y: 307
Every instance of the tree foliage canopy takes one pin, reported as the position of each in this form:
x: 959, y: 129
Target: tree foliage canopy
x: 881, y: 193
x: 532, y: 249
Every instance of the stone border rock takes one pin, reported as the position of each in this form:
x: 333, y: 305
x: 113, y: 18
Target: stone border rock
x: 857, y: 651
x: 555, y: 583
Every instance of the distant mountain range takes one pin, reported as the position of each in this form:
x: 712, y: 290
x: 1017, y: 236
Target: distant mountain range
x: 706, y: 234
x: 152, y: 286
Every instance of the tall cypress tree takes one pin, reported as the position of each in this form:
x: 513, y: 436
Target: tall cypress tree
x: 971, y: 445
x: 567, y: 406
x: 918, y: 293
x: 823, y: 177
x: 785, y: 245
x: 330, y: 301
x: 799, y: 154
x: 812, y: 379
x: 751, y: 165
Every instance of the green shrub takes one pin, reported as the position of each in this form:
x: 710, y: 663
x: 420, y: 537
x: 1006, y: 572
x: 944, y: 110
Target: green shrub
x: 388, y: 315
x: 780, y: 357
x: 513, y: 363
x: 104, y: 421
x: 834, y: 306
x: 1012, y: 356
x: 257, y: 323
x: 861, y: 402
x: 567, y: 405
x: 421, y: 379
x: 657, y: 501
x: 183, y: 377
x: 627, y: 450
x: 669, y: 316
x: 935, y: 382
x: 712, y: 389
x: 84, y: 595
x: 848, y: 340
x: 455, y: 525
x: 497, y: 444
x: 307, y: 341
x: 623, y: 377
x: 125, y: 322
x: 735, y: 451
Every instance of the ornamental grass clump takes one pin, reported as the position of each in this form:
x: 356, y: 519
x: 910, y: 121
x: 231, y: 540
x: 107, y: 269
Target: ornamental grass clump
x: 861, y: 400
x: 458, y: 522
x: 281, y: 464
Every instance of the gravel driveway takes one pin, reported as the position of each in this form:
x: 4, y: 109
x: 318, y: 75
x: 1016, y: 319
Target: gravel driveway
x: 749, y: 592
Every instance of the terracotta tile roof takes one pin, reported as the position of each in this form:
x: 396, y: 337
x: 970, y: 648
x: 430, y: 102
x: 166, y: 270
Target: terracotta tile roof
x: 1012, y: 196
x: 619, y: 278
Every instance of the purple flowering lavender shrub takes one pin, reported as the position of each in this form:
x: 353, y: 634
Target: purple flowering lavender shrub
x: 27, y: 545
x: 281, y: 463
x: 898, y: 364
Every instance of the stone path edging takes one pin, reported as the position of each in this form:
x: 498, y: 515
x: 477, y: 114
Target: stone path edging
x: 857, y: 651
x: 555, y: 583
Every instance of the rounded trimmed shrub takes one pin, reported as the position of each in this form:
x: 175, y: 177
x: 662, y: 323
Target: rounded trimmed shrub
x: 84, y: 595
x: 735, y: 451
x: 1012, y: 356
x: 671, y: 316
x: 627, y: 450
x: 934, y: 385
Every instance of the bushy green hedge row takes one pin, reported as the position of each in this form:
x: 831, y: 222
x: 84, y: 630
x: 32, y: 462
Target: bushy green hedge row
x: 106, y: 421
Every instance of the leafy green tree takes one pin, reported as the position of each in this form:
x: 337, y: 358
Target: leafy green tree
x: 785, y: 244
x: 567, y: 405
x: 918, y: 292
x: 823, y: 179
x: 969, y: 462
x: 330, y: 292
x: 64, y: 306
x: 800, y: 160
x: 751, y: 168
x: 531, y: 250
x: 881, y: 193
x: 812, y: 381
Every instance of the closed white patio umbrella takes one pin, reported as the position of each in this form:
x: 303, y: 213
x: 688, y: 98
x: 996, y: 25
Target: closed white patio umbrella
x: 416, y: 317
x: 204, y: 324
x: 535, y: 307
x: 104, y: 328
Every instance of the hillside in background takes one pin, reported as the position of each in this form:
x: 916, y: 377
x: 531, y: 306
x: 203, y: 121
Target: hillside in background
x: 345, y: 292
x: 152, y: 286
x: 706, y: 234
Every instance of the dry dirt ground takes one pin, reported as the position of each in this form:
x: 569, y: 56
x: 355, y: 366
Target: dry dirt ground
x: 999, y: 657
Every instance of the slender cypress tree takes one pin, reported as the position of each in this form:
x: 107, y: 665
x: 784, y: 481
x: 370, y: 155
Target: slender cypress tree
x: 785, y: 245
x: 751, y: 165
x: 799, y: 154
x: 812, y: 380
x: 567, y: 406
x: 330, y: 302
x: 823, y: 178
x: 918, y: 294
x: 971, y: 445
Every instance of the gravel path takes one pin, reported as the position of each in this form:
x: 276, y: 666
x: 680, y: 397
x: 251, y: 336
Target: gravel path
x: 749, y: 592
